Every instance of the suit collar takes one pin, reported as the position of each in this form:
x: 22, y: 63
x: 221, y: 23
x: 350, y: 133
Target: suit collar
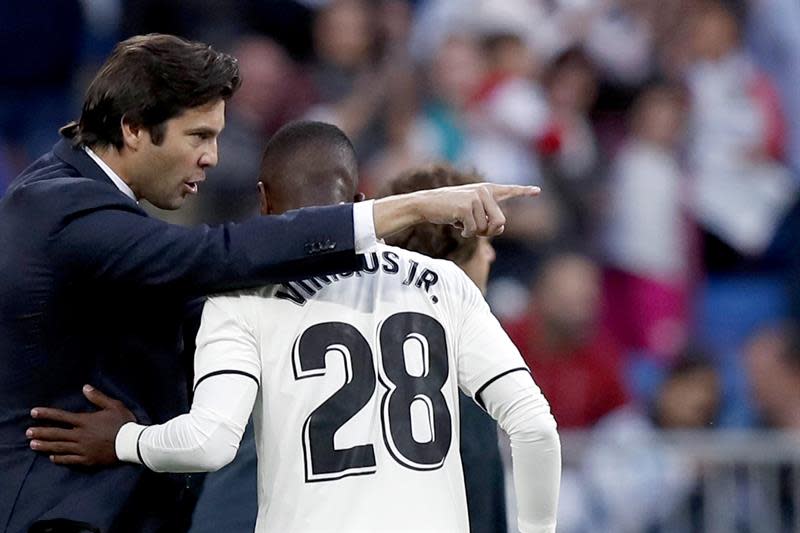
x: 79, y: 159
x: 88, y: 167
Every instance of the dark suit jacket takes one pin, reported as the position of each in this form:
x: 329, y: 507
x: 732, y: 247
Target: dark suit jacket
x: 92, y: 290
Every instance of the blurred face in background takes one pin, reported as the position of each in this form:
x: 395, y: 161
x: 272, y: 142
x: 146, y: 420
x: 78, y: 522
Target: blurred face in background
x: 689, y: 400
x: 567, y: 297
x: 573, y: 88
x: 478, y: 265
x: 510, y: 54
x: 343, y: 33
x: 715, y: 34
x: 659, y: 117
x: 774, y: 383
x: 457, y: 71
x: 265, y: 71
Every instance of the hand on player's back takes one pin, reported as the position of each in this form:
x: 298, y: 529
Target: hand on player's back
x: 90, y: 439
x: 474, y: 208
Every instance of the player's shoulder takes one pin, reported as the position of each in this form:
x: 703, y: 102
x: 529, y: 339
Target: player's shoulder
x: 236, y: 303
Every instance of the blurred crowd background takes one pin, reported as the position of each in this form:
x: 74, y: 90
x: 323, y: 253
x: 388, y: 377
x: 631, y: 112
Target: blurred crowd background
x: 653, y: 288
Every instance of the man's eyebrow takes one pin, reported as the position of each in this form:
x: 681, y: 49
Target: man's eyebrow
x: 202, y: 129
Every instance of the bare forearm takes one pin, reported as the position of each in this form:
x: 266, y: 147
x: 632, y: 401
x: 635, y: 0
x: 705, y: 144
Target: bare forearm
x: 473, y: 207
x: 395, y: 213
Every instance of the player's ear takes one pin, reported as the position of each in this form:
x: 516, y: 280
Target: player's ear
x: 263, y: 199
x: 359, y: 197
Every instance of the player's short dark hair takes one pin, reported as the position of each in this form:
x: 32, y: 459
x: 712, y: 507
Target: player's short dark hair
x: 147, y: 80
x: 311, y: 140
x: 439, y: 241
x: 304, y: 135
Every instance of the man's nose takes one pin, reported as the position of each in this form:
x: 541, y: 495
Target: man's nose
x: 210, y: 156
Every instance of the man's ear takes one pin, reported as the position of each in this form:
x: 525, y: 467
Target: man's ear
x: 263, y: 199
x: 359, y: 197
x: 132, y: 134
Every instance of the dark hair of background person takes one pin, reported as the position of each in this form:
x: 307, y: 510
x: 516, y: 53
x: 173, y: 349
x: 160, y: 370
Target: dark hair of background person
x: 147, y: 80
x: 308, y: 163
x: 439, y: 241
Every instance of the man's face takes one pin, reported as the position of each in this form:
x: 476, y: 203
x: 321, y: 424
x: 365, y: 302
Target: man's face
x: 477, y: 267
x: 166, y: 174
x: 568, y: 296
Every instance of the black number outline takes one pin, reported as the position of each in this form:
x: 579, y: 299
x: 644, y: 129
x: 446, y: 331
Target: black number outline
x: 364, y: 453
x: 360, y: 459
x: 440, y: 440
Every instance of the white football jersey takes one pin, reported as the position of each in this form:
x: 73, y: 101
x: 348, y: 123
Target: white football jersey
x: 356, y: 419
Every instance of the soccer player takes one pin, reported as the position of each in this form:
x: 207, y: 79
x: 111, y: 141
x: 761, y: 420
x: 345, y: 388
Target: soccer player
x: 352, y: 380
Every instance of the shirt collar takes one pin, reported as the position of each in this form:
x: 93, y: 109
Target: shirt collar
x: 121, y: 185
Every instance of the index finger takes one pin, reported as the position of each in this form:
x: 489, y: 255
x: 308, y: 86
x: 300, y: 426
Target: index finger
x: 495, y: 218
x: 504, y: 192
x: 56, y: 415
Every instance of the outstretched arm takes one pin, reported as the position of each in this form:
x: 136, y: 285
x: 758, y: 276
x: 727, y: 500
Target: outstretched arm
x: 473, y: 208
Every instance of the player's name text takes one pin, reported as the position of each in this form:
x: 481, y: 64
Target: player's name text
x: 413, y: 275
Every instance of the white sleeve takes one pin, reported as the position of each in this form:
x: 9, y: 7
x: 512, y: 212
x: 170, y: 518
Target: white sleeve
x: 364, y: 226
x: 492, y: 371
x: 482, y: 347
x: 227, y: 373
x: 522, y: 412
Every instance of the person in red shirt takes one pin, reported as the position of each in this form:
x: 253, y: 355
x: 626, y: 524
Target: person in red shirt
x: 575, y: 361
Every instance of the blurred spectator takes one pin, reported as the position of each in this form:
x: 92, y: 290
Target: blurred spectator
x: 689, y: 397
x: 647, y: 234
x: 361, y: 68
x: 272, y: 93
x: 510, y: 128
x: 571, y: 174
x: 573, y: 359
x: 741, y: 190
x: 630, y: 480
x: 619, y: 37
x: 773, y: 364
x: 453, y: 76
x: 510, y: 119
x: 774, y: 38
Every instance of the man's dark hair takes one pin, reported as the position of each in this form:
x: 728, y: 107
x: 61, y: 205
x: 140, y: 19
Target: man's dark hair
x: 439, y: 241
x: 309, y: 163
x: 147, y: 80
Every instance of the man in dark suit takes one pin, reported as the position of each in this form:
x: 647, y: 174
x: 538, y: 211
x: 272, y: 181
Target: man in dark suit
x: 92, y: 290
